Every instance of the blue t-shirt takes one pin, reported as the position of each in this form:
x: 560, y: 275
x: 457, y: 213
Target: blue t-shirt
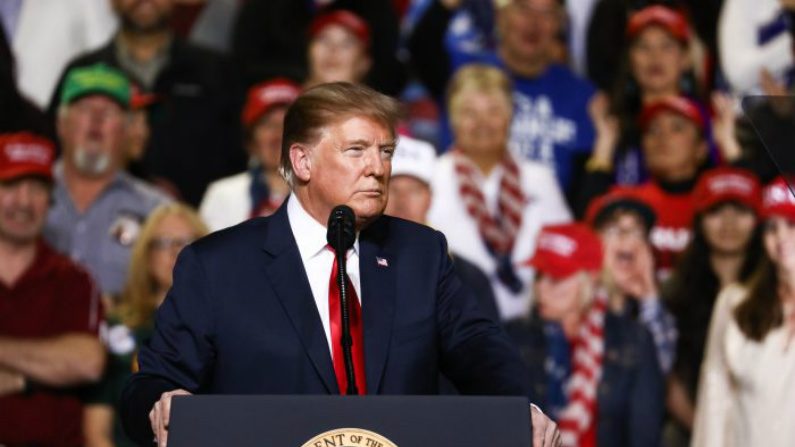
x: 550, y: 119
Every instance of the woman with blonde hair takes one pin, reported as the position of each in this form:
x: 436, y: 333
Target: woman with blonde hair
x: 489, y: 203
x: 168, y: 229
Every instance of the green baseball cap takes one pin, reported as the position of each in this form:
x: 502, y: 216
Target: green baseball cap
x: 97, y: 79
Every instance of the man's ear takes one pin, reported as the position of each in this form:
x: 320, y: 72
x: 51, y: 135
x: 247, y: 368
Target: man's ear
x: 301, y: 160
x: 60, y: 123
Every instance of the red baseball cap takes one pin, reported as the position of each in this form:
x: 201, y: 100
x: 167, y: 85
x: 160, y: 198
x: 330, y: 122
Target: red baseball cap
x: 778, y: 200
x: 263, y: 97
x: 23, y: 154
x: 345, y: 19
x: 680, y: 105
x: 624, y: 198
x: 727, y: 184
x: 565, y: 249
x: 673, y: 22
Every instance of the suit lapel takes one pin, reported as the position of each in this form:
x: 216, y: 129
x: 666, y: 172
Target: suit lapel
x: 378, y: 281
x: 287, y: 276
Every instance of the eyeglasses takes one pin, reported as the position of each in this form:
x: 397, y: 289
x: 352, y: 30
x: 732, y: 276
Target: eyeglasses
x: 169, y: 243
x: 615, y: 231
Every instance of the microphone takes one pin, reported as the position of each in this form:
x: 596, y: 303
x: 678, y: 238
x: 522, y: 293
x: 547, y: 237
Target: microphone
x: 341, y: 228
x: 340, y: 236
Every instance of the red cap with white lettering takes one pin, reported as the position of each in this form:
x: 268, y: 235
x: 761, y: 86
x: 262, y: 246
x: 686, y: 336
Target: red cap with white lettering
x: 264, y: 96
x: 778, y: 200
x: 24, y: 154
x: 727, y: 184
x: 565, y: 249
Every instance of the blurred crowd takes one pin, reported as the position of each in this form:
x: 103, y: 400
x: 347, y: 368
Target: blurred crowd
x: 611, y: 177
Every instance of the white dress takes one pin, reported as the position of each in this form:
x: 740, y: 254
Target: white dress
x: 449, y: 215
x: 747, y: 389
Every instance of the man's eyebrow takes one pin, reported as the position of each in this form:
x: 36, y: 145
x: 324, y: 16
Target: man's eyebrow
x: 358, y: 142
x: 363, y: 142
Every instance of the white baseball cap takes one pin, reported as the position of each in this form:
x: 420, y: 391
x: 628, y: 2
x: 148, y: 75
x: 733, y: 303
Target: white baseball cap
x: 415, y: 158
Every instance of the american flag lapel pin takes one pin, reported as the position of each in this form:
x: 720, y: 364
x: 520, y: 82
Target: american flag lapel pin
x: 382, y: 262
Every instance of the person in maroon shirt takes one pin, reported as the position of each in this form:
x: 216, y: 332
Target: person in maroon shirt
x: 49, y: 309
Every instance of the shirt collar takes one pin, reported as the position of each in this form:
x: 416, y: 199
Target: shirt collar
x: 312, y: 234
x: 121, y: 180
x: 41, y: 267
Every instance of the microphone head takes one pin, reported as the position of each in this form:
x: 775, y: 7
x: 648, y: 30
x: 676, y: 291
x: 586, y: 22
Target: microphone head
x: 341, y: 231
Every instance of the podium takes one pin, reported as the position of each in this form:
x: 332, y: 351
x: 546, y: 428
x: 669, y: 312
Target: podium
x: 352, y: 421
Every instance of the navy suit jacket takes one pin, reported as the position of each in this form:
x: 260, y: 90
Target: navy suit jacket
x: 241, y: 319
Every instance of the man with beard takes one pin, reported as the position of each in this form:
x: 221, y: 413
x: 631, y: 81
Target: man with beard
x: 97, y: 208
x: 195, y: 135
x: 49, y: 308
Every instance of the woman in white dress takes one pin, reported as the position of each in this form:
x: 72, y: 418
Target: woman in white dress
x: 747, y: 388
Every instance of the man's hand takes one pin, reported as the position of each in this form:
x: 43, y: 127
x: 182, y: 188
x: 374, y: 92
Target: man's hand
x: 545, y: 432
x: 61, y: 361
x: 787, y: 4
x: 633, y: 269
x: 639, y: 282
x: 724, y: 125
x: 779, y: 101
x: 608, y: 130
x: 11, y: 382
x: 160, y: 414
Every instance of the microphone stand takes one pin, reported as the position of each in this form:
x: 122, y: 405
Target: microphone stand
x: 347, y: 341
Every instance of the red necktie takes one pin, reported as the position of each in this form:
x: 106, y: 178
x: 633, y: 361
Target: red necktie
x: 357, y: 347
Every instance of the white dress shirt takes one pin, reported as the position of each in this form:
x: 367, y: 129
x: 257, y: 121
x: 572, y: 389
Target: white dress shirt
x: 310, y: 235
x: 318, y: 261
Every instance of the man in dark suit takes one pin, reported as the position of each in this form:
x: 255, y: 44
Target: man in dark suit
x: 253, y: 310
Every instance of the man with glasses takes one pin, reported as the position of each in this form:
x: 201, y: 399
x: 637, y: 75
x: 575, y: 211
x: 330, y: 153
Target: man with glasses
x: 97, y: 208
